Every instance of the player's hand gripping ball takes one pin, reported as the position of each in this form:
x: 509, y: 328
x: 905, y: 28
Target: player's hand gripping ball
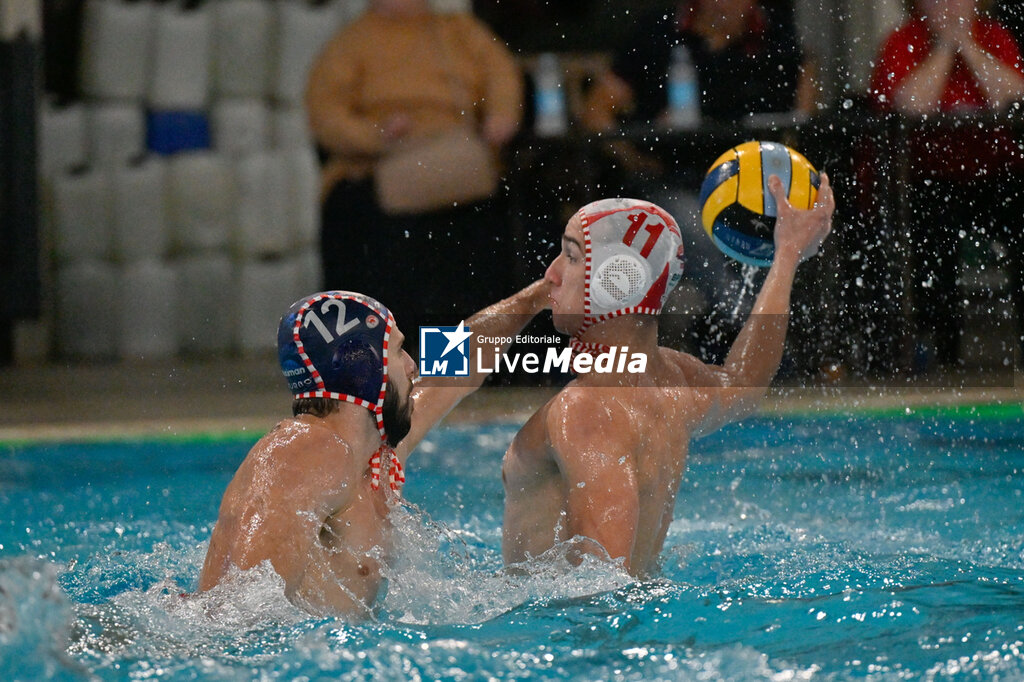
x: 737, y: 209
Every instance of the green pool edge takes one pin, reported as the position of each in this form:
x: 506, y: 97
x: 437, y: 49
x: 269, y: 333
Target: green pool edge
x: 978, y: 411
x: 201, y: 437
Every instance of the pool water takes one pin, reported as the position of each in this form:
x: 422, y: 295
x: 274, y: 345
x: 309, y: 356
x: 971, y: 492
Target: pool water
x: 888, y: 547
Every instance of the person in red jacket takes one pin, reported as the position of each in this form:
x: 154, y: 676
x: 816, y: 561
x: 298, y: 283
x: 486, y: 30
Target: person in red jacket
x: 949, y: 58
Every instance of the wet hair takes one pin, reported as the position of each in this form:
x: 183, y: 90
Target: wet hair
x: 318, y: 407
x: 397, y: 418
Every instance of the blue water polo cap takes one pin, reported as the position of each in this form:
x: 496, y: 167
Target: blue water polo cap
x: 334, y: 344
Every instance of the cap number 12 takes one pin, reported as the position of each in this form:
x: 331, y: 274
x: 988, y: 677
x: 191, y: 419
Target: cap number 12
x: 340, y: 329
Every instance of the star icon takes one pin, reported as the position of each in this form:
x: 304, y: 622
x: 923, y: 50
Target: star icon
x: 456, y: 337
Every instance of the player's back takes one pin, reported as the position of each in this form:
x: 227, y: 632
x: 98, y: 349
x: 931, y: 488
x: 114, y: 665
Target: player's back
x: 303, y: 502
x: 650, y: 426
x: 258, y: 518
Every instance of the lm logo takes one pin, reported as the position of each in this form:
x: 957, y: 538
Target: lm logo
x: 444, y: 351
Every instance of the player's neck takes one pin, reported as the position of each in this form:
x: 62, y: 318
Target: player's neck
x: 355, y: 425
x: 619, y: 345
x: 638, y: 332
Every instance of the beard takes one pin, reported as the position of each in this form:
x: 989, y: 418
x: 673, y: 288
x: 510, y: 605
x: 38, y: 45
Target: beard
x: 397, y: 417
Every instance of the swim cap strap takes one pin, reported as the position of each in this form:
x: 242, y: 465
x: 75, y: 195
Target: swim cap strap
x: 396, y: 475
x: 586, y: 347
x: 590, y: 321
x: 588, y: 251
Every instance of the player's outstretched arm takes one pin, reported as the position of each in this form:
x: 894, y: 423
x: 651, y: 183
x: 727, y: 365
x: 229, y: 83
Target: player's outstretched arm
x: 754, y: 357
x: 492, y: 329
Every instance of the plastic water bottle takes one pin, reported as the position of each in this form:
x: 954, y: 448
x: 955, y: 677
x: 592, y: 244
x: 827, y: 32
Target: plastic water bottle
x: 683, y: 99
x: 550, y: 97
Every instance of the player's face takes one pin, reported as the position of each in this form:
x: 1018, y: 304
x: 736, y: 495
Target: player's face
x: 403, y: 371
x: 398, y: 405
x: 566, y: 275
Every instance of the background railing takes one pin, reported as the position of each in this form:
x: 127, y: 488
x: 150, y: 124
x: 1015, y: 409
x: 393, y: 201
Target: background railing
x: 854, y: 304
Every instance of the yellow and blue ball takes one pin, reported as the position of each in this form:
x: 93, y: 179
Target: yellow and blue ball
x: 738, y: 211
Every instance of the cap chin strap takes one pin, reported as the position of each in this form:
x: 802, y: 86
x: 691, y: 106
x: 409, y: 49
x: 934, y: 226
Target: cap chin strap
x: 396, y: 474
x: 578, y: 345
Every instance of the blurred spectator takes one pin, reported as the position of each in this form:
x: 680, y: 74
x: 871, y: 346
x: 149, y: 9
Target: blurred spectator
x: 748, y: 60
x: 400, y: 71
x: 727, y: 40
x: 965, y: 179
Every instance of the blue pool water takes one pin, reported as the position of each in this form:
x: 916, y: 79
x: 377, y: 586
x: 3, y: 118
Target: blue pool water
x: 884, y: 547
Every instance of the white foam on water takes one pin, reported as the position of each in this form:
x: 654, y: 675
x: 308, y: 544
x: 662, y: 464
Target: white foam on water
x: 35, y: 621
x: 244, y: 620
x: 437, y: 577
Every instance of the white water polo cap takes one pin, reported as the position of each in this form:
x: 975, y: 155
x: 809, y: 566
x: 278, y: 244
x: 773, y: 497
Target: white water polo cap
x: 634, y: 258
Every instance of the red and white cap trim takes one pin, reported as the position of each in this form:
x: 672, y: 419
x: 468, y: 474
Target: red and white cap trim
x: 621, y: 221
x: 377, y: 409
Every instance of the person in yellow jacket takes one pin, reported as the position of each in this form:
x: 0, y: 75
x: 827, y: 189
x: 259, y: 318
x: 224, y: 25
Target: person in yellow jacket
x: 401, y: 71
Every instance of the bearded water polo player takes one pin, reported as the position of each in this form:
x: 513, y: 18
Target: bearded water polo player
x: 312, y: 497
x: 598, y: 466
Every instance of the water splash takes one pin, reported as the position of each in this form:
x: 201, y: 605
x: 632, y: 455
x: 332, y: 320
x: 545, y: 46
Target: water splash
x: 243, y: 620
x: 450, y: 575
x: 141, y: 621
x: 841, y: 548
x: 747, y: 288
x: 35, y: 621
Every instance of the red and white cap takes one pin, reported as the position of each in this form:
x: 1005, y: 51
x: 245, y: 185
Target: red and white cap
x: 633, y: 254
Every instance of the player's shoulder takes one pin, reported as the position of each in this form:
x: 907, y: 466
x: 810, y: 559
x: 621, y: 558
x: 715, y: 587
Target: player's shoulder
x: 580, y: 398
x: 301, y: 440
x: 674, y: 361
x: 581, y: 413
x: 694, y: 373
x: 587, y: 424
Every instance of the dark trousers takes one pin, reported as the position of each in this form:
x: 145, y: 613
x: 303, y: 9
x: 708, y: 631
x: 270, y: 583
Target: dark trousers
x: 432, y: 268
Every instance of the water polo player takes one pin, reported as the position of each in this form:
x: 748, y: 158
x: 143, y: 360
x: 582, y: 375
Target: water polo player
x: 596, y: 469
x: 313, y: 496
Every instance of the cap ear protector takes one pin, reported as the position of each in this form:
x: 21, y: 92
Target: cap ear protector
x: 356, y: 367
x: 621, y: 278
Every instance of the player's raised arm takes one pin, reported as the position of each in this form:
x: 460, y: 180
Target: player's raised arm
x: 754, y: 357
x: 491, y: 330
